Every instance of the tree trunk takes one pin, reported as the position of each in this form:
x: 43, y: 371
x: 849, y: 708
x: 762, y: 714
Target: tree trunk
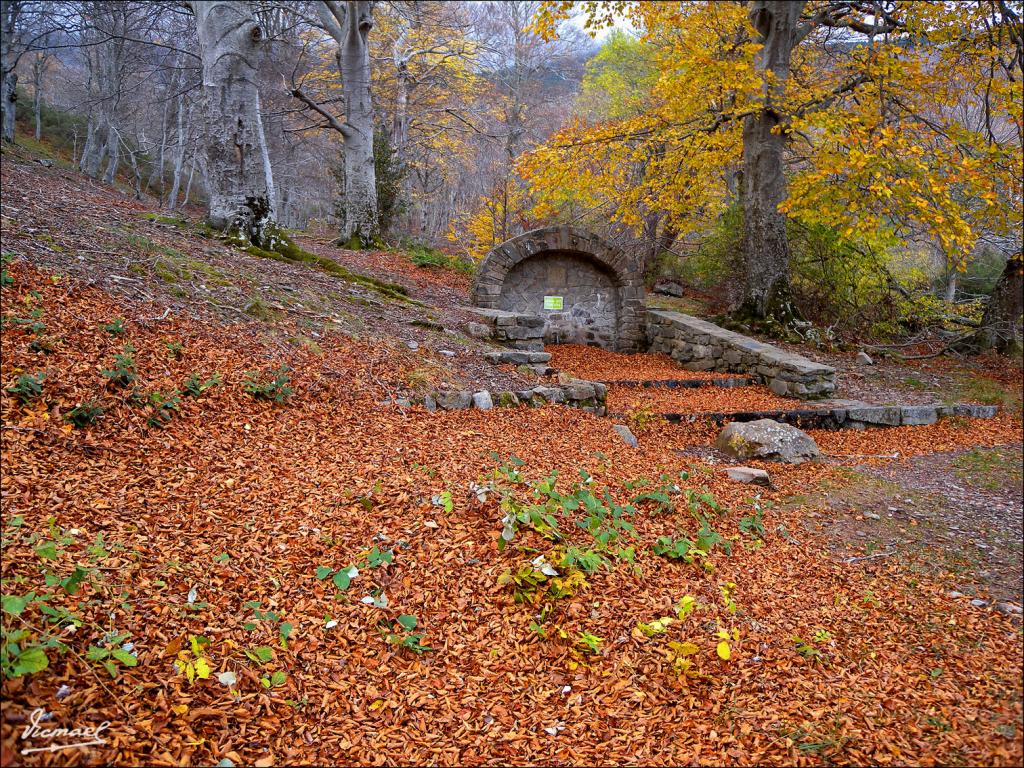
x: 240, y: 182
x: 8, y: 62
x: 179, y: 153
x: 765, y: 244
x: 113, y: 152
x: 38, y: 67
x: 1001, y: 323
x: 361, y: 226
x: 8, y: 101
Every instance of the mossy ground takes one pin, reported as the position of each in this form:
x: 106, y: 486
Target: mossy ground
x: 283, y: 248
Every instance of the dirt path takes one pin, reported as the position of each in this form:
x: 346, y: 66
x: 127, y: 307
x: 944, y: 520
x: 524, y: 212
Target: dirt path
x: 956, y: 514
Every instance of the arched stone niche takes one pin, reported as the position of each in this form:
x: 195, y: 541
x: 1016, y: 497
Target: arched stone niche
x: 601, y: 290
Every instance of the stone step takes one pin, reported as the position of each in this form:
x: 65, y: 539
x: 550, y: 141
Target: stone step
x: 726, y: 382
x: 843, y: 415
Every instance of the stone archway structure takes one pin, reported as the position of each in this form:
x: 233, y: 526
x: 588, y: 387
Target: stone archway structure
x: 599, y: 288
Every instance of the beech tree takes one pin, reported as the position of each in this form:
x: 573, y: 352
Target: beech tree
x: 825, y: 108
x: 25, y: 27
x: 238, y: 173
x: 349, y: 25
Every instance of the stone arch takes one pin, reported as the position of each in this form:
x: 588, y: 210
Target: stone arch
x: 517, y: 274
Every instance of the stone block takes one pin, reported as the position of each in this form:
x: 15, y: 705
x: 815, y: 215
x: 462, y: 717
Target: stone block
x: 454, y: 401
x: 884, y: 415
x: 482, y: 400
x: 478, y: 330
x: 918, y: 414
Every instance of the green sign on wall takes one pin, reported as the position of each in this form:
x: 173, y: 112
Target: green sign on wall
x: 552, y: 302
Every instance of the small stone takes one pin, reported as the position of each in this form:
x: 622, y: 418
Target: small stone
x: 446, y: 353
x: 978, y: 602
x: 779, y: 387
x: 627, y: 436
x: 1010, y: 609
x: 863, y: 358
x: 482, y: 400
x: 413, y: 345
x: 403, y: 402
x: 430, y: 403
x: 872, y: 516
x: 749, y: 475
x: 956, y: 595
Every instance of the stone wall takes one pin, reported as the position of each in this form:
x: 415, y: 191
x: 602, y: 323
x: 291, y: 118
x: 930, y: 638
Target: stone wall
x: 510, y: 328
x: 602, y: 288
x: 702, y: 346
x: 589, y: 396
x: 590, y: 298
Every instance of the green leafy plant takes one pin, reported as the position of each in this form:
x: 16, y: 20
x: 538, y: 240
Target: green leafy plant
x: 194, y: 386
x: 400, y: 632
x: 85, y: 414
x: 115, y: 327
x: 21, y: 654
x: 807, y: 649
x: 42, y: 344
x: 278, y: 389
x: 5, y: 278
x: 31, y: 324
x: 588, y: 643
x: 27, y: 387
x: 113, y: 653
x: 123, y: 371
x: 753, y: 523
x: 162, y: 408
x: 174, y: 349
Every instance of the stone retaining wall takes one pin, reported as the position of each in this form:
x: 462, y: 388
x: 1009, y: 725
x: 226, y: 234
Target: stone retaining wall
x: 589, y: 396
x: 519, y: 331
x: 698, y: 345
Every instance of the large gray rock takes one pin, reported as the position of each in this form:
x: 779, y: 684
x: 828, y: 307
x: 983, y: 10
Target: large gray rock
x: 768, y: 440
x: 482, y: 400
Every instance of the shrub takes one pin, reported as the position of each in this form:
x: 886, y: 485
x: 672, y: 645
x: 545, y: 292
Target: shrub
x: 427, y: 257
x: 195, y: 387
x: 277, y: 389
x: 123, y: 372
x: 85, y: 414
x: 27, y: 387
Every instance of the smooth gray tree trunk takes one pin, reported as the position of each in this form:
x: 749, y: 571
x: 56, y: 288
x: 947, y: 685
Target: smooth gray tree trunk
x: 179, y: 152
x: 8, y: 67
x: 38, y: 67
x: 349, y: 23
x: 765, y: 244
x: 240, y: 183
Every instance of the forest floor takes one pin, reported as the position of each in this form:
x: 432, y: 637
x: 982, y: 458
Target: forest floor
x: 234, y: 579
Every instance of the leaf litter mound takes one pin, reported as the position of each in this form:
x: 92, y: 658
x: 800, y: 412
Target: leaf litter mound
x: 222, y: 523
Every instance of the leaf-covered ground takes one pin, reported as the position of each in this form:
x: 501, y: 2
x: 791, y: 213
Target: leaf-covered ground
x: 223, y: 535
